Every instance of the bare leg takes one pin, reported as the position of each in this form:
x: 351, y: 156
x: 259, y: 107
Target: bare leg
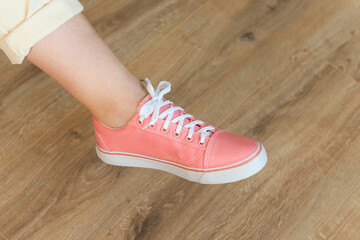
x: 76, y: 57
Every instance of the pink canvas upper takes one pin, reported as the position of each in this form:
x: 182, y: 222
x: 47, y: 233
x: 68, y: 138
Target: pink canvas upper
x: 221, y: 150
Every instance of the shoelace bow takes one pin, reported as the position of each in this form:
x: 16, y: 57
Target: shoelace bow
x: 156, y: 102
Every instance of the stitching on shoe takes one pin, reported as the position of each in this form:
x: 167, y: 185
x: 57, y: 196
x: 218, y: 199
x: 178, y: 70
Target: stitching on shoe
x: 101, y: 139
x: 210, y: 145
x: 194, y: 158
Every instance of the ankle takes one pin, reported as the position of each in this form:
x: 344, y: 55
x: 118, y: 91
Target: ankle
x: 114, y: 121
x: 120, y: 113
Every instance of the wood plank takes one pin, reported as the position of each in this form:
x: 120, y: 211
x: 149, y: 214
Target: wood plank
x: 30, y: 107
x: 131, y: 27
x: 305, y: 96
x: 338, y: 30
x: 59, y: 187
x: 347, y: 58
x: 338, y: 41
x: 2, y: 237
x: 333, y: 211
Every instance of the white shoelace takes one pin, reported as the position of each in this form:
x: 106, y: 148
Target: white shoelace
x: 156, y: 102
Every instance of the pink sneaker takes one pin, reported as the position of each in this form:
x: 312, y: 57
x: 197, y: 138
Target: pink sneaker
x: 162, y: 136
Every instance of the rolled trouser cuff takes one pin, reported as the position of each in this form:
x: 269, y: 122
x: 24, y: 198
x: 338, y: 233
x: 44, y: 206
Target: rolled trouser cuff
x: 17, y: 43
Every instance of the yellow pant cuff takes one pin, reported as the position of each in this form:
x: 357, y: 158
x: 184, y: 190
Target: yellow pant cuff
x: 17, y: 43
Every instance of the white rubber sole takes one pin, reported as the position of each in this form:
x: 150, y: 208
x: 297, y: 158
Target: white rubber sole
x: 253, y: 165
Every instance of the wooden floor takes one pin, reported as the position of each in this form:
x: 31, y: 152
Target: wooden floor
x: 284, y: 72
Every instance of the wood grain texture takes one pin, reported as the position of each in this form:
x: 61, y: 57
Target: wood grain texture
x: 137, y: 25
x: 284, y: 72
x: 338, y: 41
x: 333, y: 211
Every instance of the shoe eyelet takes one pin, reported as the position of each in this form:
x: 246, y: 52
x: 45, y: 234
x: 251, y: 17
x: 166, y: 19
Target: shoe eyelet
x: 189, y: 139
x: 140, y: 122
x: 177, y: 134
x: 164, y: 130
x: 201, y: 144
x: 152, y: 126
